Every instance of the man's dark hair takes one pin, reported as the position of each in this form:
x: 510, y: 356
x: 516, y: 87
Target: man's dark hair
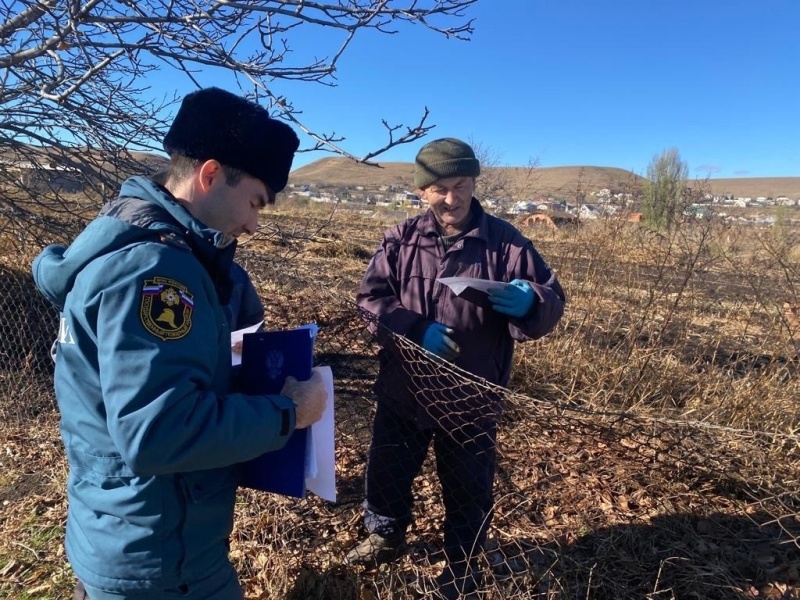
x: 182, y: 167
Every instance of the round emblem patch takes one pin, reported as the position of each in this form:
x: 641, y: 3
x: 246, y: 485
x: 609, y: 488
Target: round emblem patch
x: 166, y: 308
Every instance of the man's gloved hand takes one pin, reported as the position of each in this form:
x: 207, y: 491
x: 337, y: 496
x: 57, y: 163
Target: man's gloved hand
x: 437, y: 339
x: 309, y: 398
x: 514, y: 299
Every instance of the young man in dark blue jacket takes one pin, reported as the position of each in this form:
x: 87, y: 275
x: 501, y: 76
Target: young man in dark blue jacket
x: 152, y: 433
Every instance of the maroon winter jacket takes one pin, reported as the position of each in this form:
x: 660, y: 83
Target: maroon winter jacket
x: 401, y: 287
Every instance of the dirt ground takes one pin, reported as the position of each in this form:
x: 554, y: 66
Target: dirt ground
x: 648, y: 449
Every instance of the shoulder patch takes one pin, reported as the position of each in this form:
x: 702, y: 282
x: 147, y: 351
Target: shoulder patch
x: 166, y: 308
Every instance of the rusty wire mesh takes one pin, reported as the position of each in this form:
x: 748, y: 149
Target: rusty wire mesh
x: 612, y: 499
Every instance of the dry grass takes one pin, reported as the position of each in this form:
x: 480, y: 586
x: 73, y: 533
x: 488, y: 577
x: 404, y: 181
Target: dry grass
x: 625, y: 469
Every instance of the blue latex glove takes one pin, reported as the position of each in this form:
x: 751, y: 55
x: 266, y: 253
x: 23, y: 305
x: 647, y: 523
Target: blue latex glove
x: 437, y: 339
x: 515, y: 299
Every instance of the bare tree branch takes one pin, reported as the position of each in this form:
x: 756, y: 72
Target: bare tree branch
x: 75, y: 78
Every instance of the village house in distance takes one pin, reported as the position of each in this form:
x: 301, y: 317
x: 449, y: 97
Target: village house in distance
x: 558, y: 195
x: 551, y: 196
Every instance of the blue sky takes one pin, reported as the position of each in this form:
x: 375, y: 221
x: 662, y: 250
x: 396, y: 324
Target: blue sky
x: 580, y: 82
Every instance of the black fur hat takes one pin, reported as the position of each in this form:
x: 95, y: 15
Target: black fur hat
x: 215, y: 124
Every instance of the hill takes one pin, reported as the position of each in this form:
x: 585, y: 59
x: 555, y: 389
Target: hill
x: 753, y: 187
x: 336, y: 171
x: 542, y: 180
x: 570, y: 180
x: 78, y: 163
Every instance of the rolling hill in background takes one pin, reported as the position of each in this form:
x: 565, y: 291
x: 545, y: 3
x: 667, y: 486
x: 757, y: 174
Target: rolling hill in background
x: 336, y: 171
x: 345, y: 172
x: 753, y: 187
x: 562, y: 182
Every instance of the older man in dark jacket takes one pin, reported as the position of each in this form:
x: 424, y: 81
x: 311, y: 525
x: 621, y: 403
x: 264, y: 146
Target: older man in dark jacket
x: 402, y: 288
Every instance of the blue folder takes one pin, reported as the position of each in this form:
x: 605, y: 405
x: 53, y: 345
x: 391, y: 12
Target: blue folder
x: 268, y: 357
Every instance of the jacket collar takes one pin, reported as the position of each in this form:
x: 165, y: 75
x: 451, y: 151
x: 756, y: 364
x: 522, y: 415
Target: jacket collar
x: 203, y: 239
x: 213, y: 249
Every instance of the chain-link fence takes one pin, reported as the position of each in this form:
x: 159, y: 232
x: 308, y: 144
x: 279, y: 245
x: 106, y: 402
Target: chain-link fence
x: 28, y: 326
x: 599, y: 492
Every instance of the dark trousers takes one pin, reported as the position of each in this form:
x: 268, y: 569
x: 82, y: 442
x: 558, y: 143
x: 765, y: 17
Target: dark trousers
x: 465, y: 463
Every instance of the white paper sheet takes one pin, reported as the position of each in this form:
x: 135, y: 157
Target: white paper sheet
x: 459, y: 284
x: 321, y: 464
x: 236, y: 342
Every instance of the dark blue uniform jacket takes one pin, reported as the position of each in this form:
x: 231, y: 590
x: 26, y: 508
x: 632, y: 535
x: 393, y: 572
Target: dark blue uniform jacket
x: 152, y: 433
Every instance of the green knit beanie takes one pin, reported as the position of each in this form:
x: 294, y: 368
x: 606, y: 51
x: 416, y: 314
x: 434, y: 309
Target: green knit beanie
x: 446, y: 157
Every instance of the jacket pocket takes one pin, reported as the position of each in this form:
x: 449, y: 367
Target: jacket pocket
x: 116, y: 515
x: 209, y: 505
x: 203, y: 486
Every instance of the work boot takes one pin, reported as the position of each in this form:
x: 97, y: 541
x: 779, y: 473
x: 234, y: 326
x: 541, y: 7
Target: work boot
x: 459, y: 582
x: 376, y: 550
